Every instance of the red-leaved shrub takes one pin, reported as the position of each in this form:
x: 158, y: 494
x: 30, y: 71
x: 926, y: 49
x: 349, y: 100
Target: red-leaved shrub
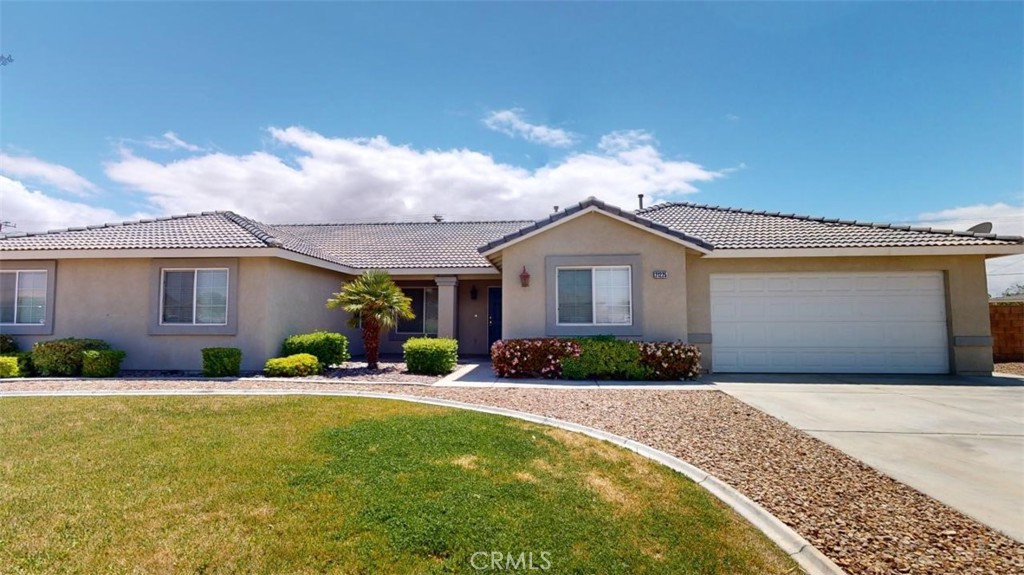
x: 670, y: 359
x: 543, y: 357
x: 538, y: 357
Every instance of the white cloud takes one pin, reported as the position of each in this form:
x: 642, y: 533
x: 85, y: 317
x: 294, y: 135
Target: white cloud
x: 35, y: 170
x: 510, y: 122
x: 1006, y: 220
x: 732, y: 117
x: 317, y: 178
x: 168, y: 141
x: 33, y: 210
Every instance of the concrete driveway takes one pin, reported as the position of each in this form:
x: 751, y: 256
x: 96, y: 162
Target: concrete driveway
x: 957, y: 439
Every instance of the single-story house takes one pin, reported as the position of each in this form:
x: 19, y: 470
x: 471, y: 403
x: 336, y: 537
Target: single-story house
x: 756, y: 291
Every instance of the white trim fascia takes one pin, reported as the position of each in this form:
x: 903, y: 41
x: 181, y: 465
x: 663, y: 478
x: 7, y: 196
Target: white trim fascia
x: 588, y: 210
x: 861, y: 252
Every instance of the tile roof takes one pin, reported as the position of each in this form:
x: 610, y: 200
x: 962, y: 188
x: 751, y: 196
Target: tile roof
x: 594, y: 202
x: 386, y: 245
x: 458, y: 244
x: 731, y: 228
x: 205, y: 230
x: 405, y: 245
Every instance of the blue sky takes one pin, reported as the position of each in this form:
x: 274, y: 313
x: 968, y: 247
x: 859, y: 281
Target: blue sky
x: 903, y: 112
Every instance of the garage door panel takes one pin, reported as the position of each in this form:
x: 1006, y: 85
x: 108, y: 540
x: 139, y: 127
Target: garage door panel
x: 830, y: 322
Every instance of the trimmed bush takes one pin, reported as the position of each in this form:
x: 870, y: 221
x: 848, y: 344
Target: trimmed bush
x: 537, y: 357
x: 63, y: 356
x: 9, y: 367
x: 430, y: 356
x: 8, y: 345
x: 668, y: 360
x: 222, y: 361
x: 605, y: 358
x: 328, y: 347
x: 295, y: 365
x: 24, y: 360
x: 101, y: 363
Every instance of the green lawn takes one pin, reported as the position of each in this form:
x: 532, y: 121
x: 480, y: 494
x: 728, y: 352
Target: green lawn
x: 341, y: 485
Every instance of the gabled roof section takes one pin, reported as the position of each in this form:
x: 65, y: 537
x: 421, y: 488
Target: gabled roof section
x: 403, y: 245
x: 593, y: 204
x: 205, y: 230
x: 731, y: 228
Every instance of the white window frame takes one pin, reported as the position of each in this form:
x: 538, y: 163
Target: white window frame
x: 195, y: 280
x: 593, y: 295
x: 423, y: 312
x: 17, y: 288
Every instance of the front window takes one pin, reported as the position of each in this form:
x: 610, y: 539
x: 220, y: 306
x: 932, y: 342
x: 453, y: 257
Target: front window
x: 599, y: 295
x: 194, y: 297
x: 23, y: 297
x: 424, y: 305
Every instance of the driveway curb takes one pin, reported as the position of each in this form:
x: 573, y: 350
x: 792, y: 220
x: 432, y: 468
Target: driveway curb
x: 813, y: 561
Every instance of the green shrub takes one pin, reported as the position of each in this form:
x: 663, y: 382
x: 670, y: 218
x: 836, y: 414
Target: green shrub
x: 222, y: 361
x: 8, y: 345
x: 430, y: 356
x: 296, y: 365
x: 24, y: 359
x: 63, y: 356
x: 101, y: 363
x: 534, y: 357
x: 328, y: 347
x: 605, y: 357
x: 9, y: 367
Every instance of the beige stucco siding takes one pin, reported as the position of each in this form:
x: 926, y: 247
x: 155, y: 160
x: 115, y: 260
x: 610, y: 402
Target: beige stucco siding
x: 663, y: 309
x: 297, y: 295
x: 111, y: 299
x: 966, y: 295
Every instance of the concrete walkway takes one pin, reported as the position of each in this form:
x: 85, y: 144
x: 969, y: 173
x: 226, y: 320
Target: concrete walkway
x: 957, y: 439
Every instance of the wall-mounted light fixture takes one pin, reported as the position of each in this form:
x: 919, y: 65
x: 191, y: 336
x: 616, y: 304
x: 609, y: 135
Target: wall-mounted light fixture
x: 524, y: 278
x: 473, y: 293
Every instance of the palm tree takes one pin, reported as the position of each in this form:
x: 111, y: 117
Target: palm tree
x: 376, y: 303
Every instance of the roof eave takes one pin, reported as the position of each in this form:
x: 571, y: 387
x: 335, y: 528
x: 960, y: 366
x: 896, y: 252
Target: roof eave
x: 985, y: 250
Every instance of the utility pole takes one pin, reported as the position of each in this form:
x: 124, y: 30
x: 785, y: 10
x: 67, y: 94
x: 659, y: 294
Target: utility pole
x: 6, y: 224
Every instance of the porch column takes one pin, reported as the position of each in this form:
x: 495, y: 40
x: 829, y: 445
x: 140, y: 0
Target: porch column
x: 447, y: 303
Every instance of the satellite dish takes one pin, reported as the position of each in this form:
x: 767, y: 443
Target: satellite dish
x: 982, y: 228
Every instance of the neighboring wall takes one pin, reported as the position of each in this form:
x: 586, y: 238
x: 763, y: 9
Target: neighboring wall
x: 110, y: 299
x: 966, y: 295
x: 1007, y: 331
x: 663, y: 308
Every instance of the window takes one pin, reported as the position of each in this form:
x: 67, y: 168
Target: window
x: 194, y: 297
x: 424, y: 305
x: 23, y: 297
x: 599, y: 295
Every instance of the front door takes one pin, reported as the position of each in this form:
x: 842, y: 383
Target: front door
x: 493, y: 316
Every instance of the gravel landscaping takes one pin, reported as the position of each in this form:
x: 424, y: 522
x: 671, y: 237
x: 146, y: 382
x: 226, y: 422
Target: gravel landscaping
x: 863, y: 520
x: 1016, y: 368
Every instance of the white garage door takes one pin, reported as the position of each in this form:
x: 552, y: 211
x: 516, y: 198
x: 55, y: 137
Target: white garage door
x: 829, y: 323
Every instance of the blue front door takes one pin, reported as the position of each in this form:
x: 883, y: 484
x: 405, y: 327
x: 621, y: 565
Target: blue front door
x: 493, y: 316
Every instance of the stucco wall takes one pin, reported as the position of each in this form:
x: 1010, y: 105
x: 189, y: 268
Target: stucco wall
x: 664, y: 310
x: 110, y: 299
x: 967, y: 299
